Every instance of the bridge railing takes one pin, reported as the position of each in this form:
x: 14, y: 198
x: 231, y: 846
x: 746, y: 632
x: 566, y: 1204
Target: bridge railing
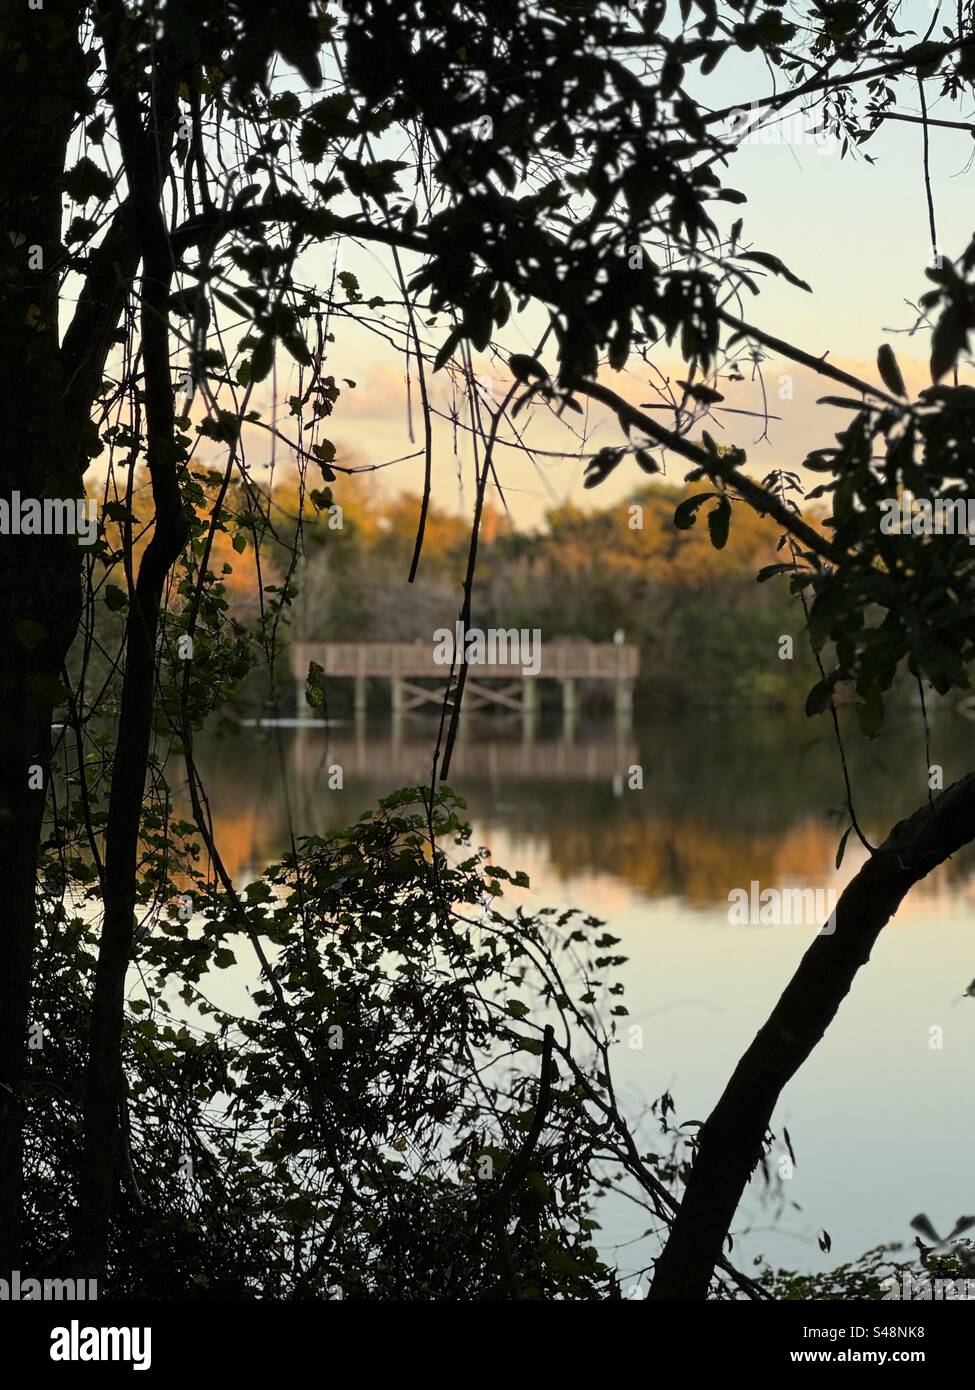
x: 559, y: 661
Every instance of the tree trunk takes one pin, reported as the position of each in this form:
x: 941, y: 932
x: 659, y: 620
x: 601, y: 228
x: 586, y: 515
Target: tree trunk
x: 145, y: 153
x: 730, y: 1143
x: 40, y: 586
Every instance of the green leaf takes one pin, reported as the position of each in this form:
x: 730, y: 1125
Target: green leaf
x: 842, y: 845
x: 116, y: 599
x: 315, y: 686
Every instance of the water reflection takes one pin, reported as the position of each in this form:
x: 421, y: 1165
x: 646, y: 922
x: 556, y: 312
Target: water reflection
x: 684, y: 809
x: 874, y: 1115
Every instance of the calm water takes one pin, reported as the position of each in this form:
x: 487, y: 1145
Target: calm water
x: 882, y: 1123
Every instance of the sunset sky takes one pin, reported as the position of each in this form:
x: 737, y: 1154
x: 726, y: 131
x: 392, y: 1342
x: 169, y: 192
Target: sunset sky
x: 856, y: 232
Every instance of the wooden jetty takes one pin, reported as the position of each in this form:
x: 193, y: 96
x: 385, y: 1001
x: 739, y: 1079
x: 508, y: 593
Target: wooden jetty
x: 506, y: 685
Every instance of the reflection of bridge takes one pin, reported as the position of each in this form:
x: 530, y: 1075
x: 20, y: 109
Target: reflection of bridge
x: 481, y: 760
x: 403, y: 664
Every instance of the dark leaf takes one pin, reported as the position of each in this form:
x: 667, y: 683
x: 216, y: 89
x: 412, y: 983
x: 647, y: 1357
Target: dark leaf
x: 767, y: 571
x: 772, y: 263
x: 524, y: 368
x: 86, y: 180
x: 819, y: 697
x: 719, y: 521
x: 601, y: 465
x: 685, y: 514
x: 889, y: 370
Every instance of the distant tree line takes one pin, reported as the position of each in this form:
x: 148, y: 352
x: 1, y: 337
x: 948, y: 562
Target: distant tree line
x: 708, y: 634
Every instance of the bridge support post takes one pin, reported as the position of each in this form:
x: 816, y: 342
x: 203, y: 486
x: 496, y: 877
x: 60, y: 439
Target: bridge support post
x: 398, y: 702
x: 529, y: 707
x: 624, y: 704
x: 568, y: 708
x: 359, y: 700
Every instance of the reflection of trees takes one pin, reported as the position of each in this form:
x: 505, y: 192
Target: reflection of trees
x: 705, y: 822
x: 689, y: 859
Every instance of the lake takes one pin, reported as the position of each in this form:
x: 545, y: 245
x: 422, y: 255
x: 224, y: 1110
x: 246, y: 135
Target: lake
x: 881, y: 1117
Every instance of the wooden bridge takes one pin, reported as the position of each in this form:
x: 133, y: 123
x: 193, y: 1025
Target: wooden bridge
x: 505, y: 684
